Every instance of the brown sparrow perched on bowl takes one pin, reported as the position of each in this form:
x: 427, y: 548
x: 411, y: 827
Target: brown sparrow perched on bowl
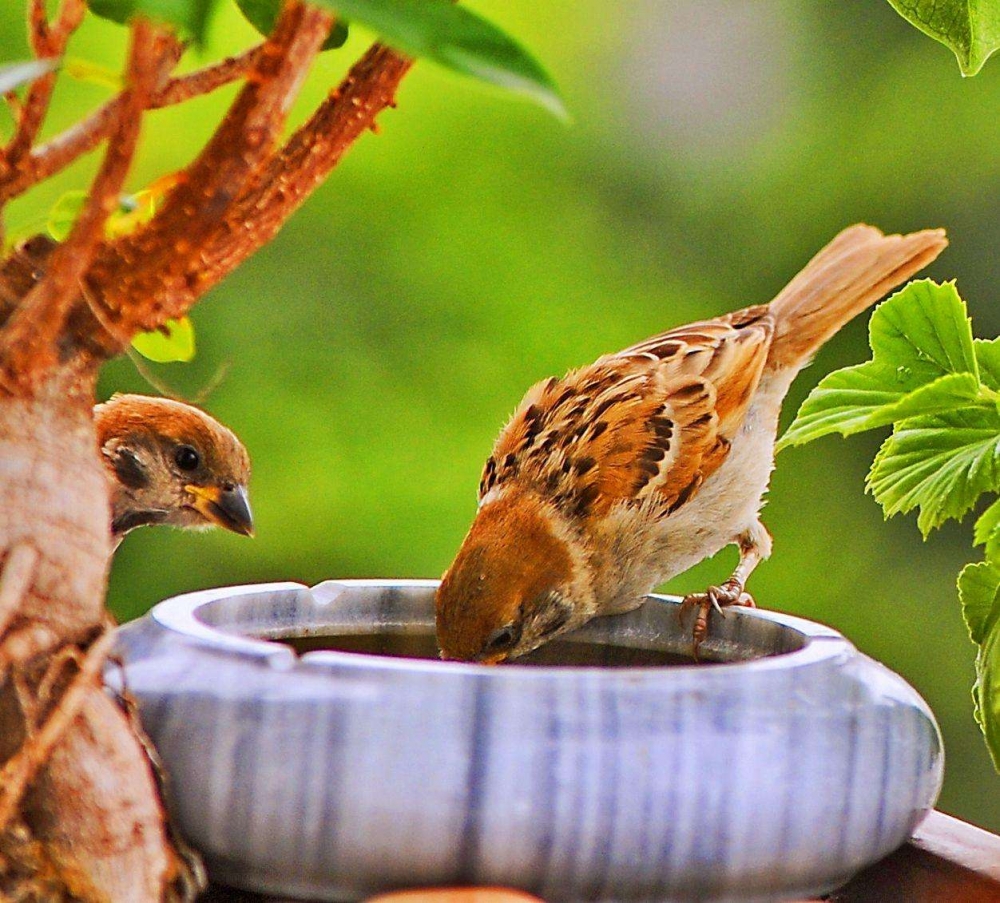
x: 170, y: 463
x: 622, y: 474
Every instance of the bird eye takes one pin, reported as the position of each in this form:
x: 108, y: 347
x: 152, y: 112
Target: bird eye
x: 186, y: 458
x: 503, y: 638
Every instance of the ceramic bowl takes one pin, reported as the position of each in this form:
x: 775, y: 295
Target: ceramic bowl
x: 333, y: 776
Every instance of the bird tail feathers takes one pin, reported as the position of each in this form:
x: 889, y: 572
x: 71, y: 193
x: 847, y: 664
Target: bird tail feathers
x: 850, y: 274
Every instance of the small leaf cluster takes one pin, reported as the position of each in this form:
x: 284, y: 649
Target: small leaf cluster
x: 939, y: 389
x: 438, y: 30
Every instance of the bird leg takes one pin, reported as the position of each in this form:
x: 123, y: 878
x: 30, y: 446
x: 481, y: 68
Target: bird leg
x: 755, y: 546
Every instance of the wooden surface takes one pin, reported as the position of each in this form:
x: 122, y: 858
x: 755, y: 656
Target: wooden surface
x: 947, y: 861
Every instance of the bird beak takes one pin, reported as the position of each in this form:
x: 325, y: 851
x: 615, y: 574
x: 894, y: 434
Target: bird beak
x: 227, y: 508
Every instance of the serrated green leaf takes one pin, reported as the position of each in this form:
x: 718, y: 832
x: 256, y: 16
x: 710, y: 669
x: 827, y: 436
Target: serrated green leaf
x: 190, y: 17
x: 456, y: 38
x: 988, y: 358
x: 855, y: 399
x: 173, y: 343
x: 978, y: 591
x: 986, y: 690
x: 262, y: 14
x: 13, y: 75
x: 926, y: 327
x: 923, y: 361
x: 986, y: 533
x: 971, y: 28
x: 64, y: 214
x: 940, y: 463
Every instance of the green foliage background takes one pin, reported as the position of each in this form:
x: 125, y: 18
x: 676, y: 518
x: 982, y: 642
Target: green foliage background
x: 477, y: 245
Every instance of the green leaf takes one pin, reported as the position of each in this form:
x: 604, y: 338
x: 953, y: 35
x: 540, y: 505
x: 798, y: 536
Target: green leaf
x: 262, y: 14
x: 971, y: 28
x: 940, y: 463
x: 173, y: 342
x: 133, y: 210
x: 924, y: 361
x: 190, y: 17
x: 64, y: 214
x: 456, y: 38
x: 979, y: 591
x: 986, y: 693
x: 988, y: 358
x: 926, y: 327
x: 978, y: 588
x: 13, y: 75
x: 439, y: 30
x: 854, y: 399
x: 986, y: 532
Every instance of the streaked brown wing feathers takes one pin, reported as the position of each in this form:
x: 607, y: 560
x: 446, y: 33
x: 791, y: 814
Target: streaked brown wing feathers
x: 654, y: 420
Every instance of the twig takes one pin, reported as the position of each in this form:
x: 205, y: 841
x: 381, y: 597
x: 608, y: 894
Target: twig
x: 56, y: 154
x: 280, y: 188
x: 28, y: 340
x: 38, y: 27
x: 51, y: 40
x: 46, y: 41
x: 19, y: 770
x: 145, y: 277
x: 167, y: 390
x: 204, y: 81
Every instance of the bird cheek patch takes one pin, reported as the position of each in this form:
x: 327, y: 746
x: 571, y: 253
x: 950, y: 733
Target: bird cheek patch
x: 129, y: 469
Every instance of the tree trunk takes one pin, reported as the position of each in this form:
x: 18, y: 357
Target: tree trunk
x: 93, y: 806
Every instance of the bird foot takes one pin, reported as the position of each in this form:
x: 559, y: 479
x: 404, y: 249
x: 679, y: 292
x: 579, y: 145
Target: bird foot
x: 717, y: 597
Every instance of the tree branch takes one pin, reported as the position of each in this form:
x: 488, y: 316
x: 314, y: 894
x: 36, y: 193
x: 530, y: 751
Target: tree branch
x: 55, y: 155
x: 28, y: 341
x: 146, y: 278
x: 46, y: 41
x: 269, y: 198
x: 281, y: 187
x: 208, y: 79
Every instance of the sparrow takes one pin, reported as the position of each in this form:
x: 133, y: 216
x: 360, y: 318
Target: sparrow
x: 170, y: 463
x: 627, y: 472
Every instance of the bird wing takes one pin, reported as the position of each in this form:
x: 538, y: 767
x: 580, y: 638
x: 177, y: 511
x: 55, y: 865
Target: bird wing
x: 653, y: 420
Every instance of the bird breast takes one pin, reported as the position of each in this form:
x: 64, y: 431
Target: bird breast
x: 643, y: 548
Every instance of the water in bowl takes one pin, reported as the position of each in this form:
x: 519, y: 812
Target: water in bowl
x: 559, y: 653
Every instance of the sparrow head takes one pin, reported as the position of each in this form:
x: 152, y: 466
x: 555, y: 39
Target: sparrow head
x: 518, y: 580
x: 171, y: 463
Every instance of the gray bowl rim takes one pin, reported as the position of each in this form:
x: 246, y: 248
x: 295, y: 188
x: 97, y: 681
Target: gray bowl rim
x: 177, y: 614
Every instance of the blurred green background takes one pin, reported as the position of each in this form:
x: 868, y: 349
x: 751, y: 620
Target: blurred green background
x: 477, y: 245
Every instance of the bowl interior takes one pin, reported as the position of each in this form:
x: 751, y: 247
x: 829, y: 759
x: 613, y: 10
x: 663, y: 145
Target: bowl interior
x: 398, y: 620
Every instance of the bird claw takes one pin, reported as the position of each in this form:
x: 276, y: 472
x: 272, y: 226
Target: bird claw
x: 715, y: 597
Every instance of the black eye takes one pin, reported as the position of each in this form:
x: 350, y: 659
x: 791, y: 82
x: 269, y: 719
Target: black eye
x: 186, y: 458
x: 503, y: 638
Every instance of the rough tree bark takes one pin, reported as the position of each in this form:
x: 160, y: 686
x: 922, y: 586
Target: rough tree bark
x: 80, y: 812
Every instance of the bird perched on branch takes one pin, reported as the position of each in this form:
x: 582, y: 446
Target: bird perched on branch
x: 170, y: 463
x: 622, y: 474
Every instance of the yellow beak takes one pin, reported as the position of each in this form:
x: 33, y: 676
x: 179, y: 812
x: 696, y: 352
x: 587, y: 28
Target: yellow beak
x: 227, y: 508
